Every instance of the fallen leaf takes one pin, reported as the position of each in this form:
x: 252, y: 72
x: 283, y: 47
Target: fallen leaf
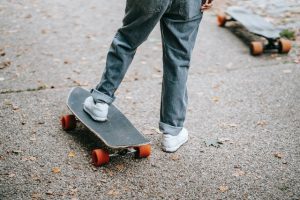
x: 2, y: 52
x: 216, y: 99
x: 36, y: 195
x: 223, y: 188
x: 15, y: 107
x: 175, y: 157
x: 56, y: 170
x: 278, y: 155
x: 5, y: 64
x: 29, y: 158
x: 222, y: 140
x: 237, y: 166
x: 226, y: 125
x: 49, y: 192
x: 212, y: 142
x: 71, y: 154
x: 17, y: 151
x: 262, y: 123
x: 120, y: 167
x: 73, y: 191
x: 232, y: 125
x: 113, y: 192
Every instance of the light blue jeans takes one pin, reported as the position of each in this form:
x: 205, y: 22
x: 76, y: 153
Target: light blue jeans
x: 179, y: 23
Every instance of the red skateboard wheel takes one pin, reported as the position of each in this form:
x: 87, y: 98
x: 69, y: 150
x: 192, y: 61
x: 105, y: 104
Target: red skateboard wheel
x: 143, y: 151
x: 68, y: 122
x: 221, y: 19
x: 100, y: 157
x: 284, y: 46
x: 256, y: 48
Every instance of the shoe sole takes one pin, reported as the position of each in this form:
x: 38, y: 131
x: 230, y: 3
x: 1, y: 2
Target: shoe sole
x: 99, y: 119
x: 173, y: 149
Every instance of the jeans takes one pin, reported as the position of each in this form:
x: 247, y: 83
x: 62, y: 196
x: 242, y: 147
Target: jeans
x: 179, y: 23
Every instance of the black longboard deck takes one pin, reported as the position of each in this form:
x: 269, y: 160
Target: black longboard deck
x: 253, y: 23
x: 116, y: 132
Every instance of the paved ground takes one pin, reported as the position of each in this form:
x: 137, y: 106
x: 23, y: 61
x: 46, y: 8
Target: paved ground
x: 249, y: 103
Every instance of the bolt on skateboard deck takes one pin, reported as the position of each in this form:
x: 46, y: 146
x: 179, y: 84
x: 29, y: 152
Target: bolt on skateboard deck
x: 117, y: 133
x: 257, y: 25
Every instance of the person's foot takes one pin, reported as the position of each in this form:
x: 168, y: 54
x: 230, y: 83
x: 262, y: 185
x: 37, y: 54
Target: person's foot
x: 98, y: 111
x: 172, y: 143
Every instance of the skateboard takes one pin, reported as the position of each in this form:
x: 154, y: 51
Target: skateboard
x: 117, y: 133
x: 258, y: 26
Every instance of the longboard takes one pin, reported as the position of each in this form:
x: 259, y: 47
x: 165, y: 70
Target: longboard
x: 117, y: 132
x: 259, y: 26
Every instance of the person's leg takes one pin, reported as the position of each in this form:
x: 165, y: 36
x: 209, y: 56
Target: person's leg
x: 140, y: 19
x: 179, y: 28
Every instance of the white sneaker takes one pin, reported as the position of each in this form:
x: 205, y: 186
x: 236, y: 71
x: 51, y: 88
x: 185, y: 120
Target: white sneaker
x: 98, y: 111
x: 172, y: 143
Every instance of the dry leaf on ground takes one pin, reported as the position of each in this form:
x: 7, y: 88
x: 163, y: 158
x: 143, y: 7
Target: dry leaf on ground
x: 262, y: 123
x: 216, y: 99
x: 71, y: 154
x: 175, y: 157
x: 28, y: 158
x: 36, y: 195
x: 56, y: 170
x: 49, y: 192
x: 5, y: 64
x: 120, y: 167
x: 223, y: 188
x: 278, y: 155
x: 113, y: 192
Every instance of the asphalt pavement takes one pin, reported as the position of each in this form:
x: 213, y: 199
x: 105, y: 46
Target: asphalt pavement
x: 249, y: 105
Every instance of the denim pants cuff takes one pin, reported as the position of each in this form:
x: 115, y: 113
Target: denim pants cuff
x: 99, y: 96
x: 168, y: 129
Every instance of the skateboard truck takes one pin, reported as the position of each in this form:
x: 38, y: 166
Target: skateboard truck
x: 282, y: 45
x: 258, y: 26
x: 101, y: 156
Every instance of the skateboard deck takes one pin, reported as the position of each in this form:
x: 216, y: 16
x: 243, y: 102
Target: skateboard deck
x: 253, y: 23
x: 116, y: 132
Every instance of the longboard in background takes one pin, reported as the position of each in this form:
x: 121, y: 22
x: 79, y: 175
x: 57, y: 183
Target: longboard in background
x: 257, y: 25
